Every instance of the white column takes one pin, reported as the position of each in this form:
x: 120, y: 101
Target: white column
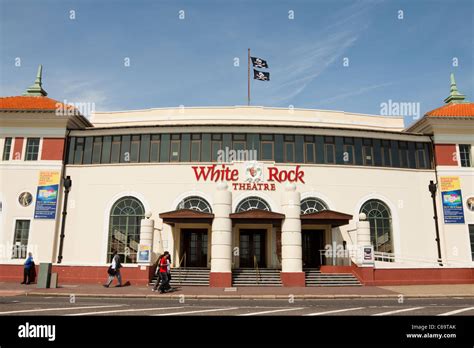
x: 147, y: 227
x: 363, y: 236
x: 291, y: 248
x: 221, y: 239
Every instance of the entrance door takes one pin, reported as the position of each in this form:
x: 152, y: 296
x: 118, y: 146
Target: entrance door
x: 194, y: 244
x: 252, y: 245
x: 312, y: 241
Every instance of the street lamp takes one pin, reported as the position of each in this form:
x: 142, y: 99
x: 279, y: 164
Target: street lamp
x: 432, y: 187
x: 67, y: 183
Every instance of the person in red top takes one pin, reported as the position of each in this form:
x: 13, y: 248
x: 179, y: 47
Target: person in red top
x: 162, y: 267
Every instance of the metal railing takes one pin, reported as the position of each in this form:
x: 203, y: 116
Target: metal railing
x: 391, y: 257
x: 180, y: 269
x: 255, y: 265
x: 331, y: 258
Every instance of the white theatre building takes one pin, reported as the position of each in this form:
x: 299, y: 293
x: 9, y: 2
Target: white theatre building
x: 321, y: 196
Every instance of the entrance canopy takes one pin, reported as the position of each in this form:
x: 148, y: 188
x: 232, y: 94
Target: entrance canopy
x: 256, y: 216
x: 186, y: 216
x: 326, y: 217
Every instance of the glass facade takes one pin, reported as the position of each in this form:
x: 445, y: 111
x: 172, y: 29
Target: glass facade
x: 197, y: 147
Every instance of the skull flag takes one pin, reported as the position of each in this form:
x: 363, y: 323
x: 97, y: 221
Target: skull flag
x: 259, y: 62
x: 260, y: 75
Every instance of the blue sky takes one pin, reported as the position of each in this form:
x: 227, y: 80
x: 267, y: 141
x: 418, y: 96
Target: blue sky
x: 190, y: 61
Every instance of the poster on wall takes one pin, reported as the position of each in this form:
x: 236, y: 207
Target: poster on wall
x: 144, y: 253
x: 47, y: 195
x: 452, y: 200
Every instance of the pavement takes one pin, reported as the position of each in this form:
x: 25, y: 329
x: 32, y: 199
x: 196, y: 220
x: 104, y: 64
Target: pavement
x: 204, y: 292
x: 90, y: 306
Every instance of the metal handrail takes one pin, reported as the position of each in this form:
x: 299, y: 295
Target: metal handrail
x: 255, y: 265
x: 179, y: 267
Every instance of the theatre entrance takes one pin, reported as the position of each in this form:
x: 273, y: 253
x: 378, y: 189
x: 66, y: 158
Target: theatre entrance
x: 252, y: 248
x: 194, y: 247
x: 312, y: 243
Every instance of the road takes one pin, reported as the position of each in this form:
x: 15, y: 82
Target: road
x: 32, y: 305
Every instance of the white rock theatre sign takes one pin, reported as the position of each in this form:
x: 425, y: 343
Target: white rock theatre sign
x: 255, y: 176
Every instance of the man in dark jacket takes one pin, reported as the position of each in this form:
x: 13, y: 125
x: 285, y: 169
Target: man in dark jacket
x: 27, y: 269
x: 114, y: 270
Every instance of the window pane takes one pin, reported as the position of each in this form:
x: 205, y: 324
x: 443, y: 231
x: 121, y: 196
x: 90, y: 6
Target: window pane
x: 216, y: 146
x: 339, y: 150
x: 348, y: 155
x: 20, y: 239
x: 96, y: 150
x: 88, y: 151
x: 165, y: 148
x: 174, y: 155
x: 7, y: 149
x: 115, y: 155
x: 106, y: 147
x: 125, y: 149
x: 358, y: 151
x: 279, y: 148
x: 185, y: 145
x: 71, y: 148
x: 320, y: 157
x: 206, y: 148
x: 309, y: 152
x: 267, y: 150
x: 195, y: 150
x: 145, y: 148
x: 155, y: 148
x: 32, y: 148
x: 299, y: 149
x: 134, y: 148
x: 78, y: 151
x: 289, y: 152
x: 329, y: 152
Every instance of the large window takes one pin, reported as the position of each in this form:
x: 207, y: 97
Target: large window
x: 403, y: 154
x: 252, y: 203
x: 380, y: 219
x: 175, y: 143
x: 32, y: 149
x: 216, y: 145
x: 196, y: 147
x: 348, y: 155
x: 386, y: 153
x: 124, y: 229
x: 367, y: 152
x: 7, y: 148
x: 195, y: 203
x: 309, y: 149
x: 312, y: 205
x: 465, y: 154
x: 329, y: 150
x: 267, y: 147
x: 20, y: 239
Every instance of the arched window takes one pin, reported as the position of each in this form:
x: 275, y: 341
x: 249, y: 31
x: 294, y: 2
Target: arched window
x: 195, y: 203
x: 124, y: 229
x: 251, y: 203
x: 312, y: 205
x: 380, y: 219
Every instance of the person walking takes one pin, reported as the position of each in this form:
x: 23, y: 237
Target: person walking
x: 27, y: 269
x: 114, y: 270
x: 163, y: 273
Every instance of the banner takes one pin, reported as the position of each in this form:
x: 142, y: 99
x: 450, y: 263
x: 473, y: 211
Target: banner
x: 452, y: 200
x: 144, y: 253
x: 47, y: 195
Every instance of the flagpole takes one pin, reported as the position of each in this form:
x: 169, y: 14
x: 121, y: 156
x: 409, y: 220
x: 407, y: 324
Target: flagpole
x: 248, y: 80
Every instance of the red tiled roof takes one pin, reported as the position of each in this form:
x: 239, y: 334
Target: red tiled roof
x: 28, y: 103
x: 453, y: 110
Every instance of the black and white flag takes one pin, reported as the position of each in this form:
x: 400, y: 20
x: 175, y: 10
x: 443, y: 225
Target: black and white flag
x: 260, y: 75
x: 259, y: 62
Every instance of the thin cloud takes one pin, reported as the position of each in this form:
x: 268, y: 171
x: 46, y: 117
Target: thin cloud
x: 353, y: 93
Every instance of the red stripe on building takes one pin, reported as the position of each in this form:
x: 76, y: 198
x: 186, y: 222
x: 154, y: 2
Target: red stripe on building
x: 17, y: 149
x: 446, y: 155
x: 52, y: 149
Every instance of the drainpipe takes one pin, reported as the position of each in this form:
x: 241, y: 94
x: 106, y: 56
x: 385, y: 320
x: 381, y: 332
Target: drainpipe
x: 432, y: 187
x: 67, y: 182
